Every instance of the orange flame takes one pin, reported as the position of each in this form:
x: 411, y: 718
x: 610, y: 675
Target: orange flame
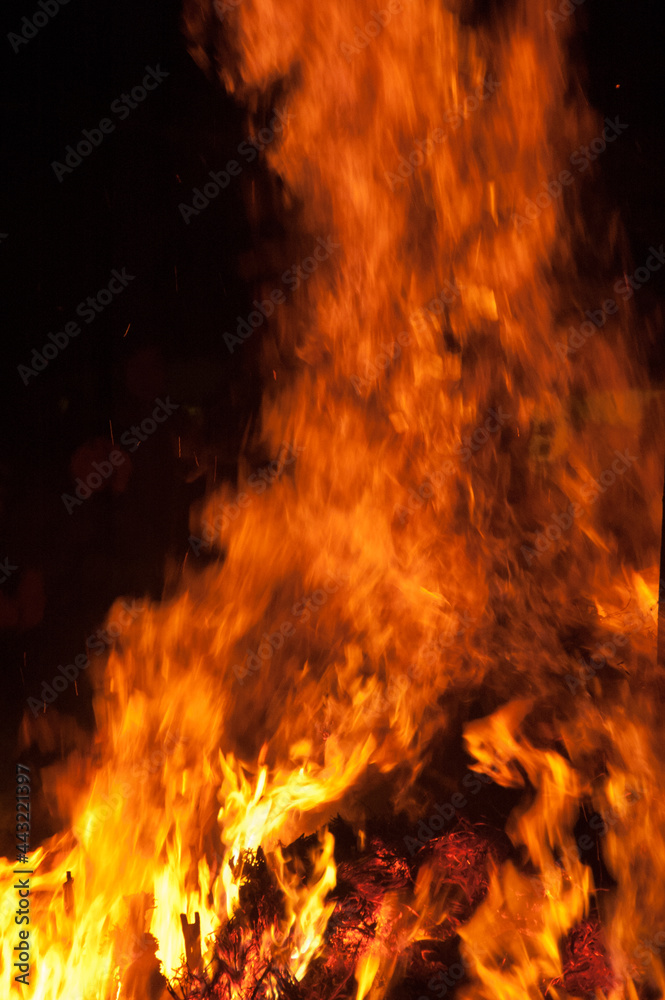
x: 473, y: 507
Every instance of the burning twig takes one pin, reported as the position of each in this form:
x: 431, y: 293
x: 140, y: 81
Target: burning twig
x: 68, y: 893
x: 192, y: 935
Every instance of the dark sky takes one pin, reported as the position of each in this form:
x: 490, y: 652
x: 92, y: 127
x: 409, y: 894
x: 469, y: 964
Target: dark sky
x: 61, y: 240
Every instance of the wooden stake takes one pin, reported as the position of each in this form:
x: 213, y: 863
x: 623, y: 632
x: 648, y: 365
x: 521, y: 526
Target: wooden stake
x: 192, y: 935
x: 68, y: 893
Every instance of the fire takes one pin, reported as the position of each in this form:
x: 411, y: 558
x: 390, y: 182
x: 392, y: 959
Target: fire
x: 473, y: 508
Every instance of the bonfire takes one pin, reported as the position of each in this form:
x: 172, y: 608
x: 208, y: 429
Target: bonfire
x: 399, y: 736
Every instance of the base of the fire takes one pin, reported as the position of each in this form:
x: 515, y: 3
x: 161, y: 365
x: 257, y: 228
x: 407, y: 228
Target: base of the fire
x: 375, y: 906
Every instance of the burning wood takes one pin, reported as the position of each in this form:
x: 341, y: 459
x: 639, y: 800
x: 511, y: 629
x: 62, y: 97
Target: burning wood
x: 192, y: 935
x: 456, y: 867
x: 587, y: 969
